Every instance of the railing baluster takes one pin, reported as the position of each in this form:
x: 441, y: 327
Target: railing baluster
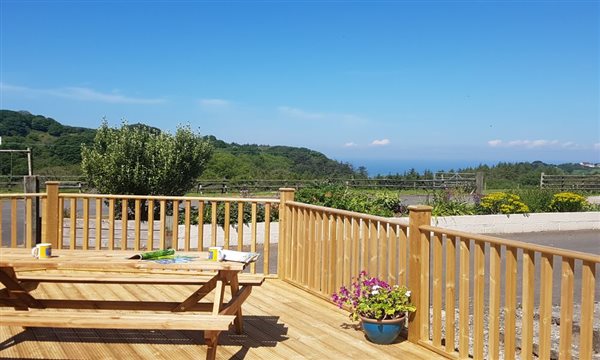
x: 111, y: 224
x: 150, y: 242
x: 124, y: 223
x: 339, y: 251
x: 323, y: 234
x: 138, y: 220
x: 267, y: 240
x: 494, y: 307
x: 13, y: 223
x: 588, y: 283
x: 402, y: 257
x: 437, y: 290
x: 98, y: 215
x: 226, y: 225
x: 201, y: 225
x: 86, y: 223
x: 545, y: 321
x: 566, y: 309
x: 382, y: 255
x: 300, y: 259
x: 450, y: 292
x: 73, y: 221
x: 163, y: 224
x: 478, y: 301
x: 332, y: 255
x: 1, y: 232
x: 28, y: 222
x: 310, y: 267
x: 463, y: 299
x: 175, y: 226
x: 393, y: 254
x: 510, y: 296
x: 355, y: 246
x: 240, y: 223
x: 213, y: 224
x: 372, y: 247
x: 186, y: 240
x: 253, y: 236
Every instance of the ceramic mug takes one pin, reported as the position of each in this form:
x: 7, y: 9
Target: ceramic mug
x: 42, y: 251
x: 214, y: 253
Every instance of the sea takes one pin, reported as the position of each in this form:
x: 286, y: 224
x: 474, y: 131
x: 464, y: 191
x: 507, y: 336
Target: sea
x: 399, y: 166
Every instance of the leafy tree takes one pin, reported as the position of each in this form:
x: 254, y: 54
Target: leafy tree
x: 141, y: 160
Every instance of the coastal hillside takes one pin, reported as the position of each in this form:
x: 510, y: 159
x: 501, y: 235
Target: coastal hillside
x: 56, y: 150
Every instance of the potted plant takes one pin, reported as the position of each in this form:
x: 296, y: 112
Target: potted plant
x: 379, y: 306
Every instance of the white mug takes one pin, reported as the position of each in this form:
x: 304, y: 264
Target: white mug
x: 42, y: 251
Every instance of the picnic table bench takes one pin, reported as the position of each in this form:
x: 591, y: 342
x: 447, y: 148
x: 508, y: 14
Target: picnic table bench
x: 21, y: 274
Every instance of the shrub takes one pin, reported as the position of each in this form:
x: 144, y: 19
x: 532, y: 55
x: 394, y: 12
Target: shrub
x: 538, y: 200
x: 502, y: 203
x: 451, y: 202
x: 568, y: 202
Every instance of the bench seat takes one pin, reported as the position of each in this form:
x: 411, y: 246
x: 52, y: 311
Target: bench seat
x: 154, y: 279
x: 106, y: 320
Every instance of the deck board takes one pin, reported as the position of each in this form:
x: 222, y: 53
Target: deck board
x: 280, y: 322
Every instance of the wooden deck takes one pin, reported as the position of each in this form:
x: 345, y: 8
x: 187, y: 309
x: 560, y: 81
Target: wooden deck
x: 280, y: 322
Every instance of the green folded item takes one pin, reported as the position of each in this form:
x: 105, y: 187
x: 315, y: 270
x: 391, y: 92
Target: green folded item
x: 153, y: 255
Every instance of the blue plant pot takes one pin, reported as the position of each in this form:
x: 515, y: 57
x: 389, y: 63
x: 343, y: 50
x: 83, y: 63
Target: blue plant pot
x: 382, y: 331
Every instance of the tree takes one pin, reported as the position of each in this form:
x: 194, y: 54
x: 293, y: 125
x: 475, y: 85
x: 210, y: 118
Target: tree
x: 140, y: 160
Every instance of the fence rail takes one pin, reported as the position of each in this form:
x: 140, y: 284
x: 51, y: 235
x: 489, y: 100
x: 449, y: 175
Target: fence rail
x: 570, y: 182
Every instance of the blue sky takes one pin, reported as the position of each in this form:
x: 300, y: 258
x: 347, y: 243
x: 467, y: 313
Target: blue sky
x: 365, y: 82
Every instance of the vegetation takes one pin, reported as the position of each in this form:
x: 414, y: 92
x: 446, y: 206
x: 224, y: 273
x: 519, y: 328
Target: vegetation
x: 502, y: 203
x: 568, y: 202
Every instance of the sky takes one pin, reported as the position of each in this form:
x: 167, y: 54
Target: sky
x: 384, y: 84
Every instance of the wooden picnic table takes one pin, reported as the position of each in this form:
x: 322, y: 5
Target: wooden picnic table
x: 114, y: 267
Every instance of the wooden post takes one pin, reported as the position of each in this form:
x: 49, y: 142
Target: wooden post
x: 285, y: 194
x: 418, y: 215
x: 31, y: 185
x: 51, y: 213
x: 479, y: 182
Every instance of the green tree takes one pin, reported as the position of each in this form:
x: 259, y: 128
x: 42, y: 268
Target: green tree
x: 137, y: 159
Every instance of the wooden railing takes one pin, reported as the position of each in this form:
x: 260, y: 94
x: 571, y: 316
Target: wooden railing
x: 96, y: 221
x: 326, y: 247
x: 467, y: 287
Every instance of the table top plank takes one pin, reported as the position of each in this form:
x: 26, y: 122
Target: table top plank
x: 116, y: 260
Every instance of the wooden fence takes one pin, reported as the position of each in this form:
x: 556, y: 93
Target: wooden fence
x: 467, y: 287
x: 570, y: 182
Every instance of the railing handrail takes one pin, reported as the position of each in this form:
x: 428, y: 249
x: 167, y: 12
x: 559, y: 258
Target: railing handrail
x: 22, y: 195
x: 159, y: 197
x: 514, y: 243
x: 348, y: 213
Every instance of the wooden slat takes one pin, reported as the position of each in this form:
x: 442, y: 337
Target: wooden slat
x: 450, y: 297
x: 332, y: 254
x: 288, y: 244
x: 478, y: 301
x: 510, y: 300
x: 464, y: 299
x: 545, y: 322
x: 373, y: 247
x: 364, y: 246
x: 150, y: 242
x: 2, y: 232
x: 226, y: 224
x: 323, y: 235
x: 310, y: 266
x: 13, y: 224
x: 28, y: 222
x: 98, y: 215
x: 424, y: 281
x: 163, y: 224
x: 566, y: 309
x: 588, y: 283
x: 403, y: 245
x: 267, y: 240
x: 213, y: 224
x: 73, y: 221
x: 339, y: 250
x: 201, y: 225
x: 437, y: 290
x: 355, y: 246
x: 111, y: 224
x: 61, y: 218
x: 138, y: 221
x: 382, y: 255
x: 393, y: 254
x: 494, y: 302
x: 124, y: 222
x: 347, y: 245
x: 253, y: 231
x: 187, y: 224
x: 293, y: 243
x: 240, y: 224
x: 62, y: 319
x: 86, y: 223
x: 175, y: 236
x: 528, y: 303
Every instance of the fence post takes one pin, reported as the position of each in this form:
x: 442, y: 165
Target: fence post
x: 541, y: 180
x: 479, y: 182
x: 418, y: 215
x: 285, y: 194
x: 51, y: 213
x: 31, y: 185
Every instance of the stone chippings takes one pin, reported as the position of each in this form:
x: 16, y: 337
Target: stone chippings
x: 555, y: 331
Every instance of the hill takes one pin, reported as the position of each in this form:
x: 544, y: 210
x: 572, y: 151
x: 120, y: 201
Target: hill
x: 56, y: 151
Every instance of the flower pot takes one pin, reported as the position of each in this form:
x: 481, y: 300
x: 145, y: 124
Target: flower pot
x: 382, y: 331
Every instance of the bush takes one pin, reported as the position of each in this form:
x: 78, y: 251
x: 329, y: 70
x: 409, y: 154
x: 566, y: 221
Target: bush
x: 538, y: 200
x: 568, y: 202
x: 451, y: 202
x: 502, y: 203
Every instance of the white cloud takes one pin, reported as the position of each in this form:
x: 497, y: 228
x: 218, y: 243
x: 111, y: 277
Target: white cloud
x: 597, y: 146
x: 214, y: 103
x: 382, y: 142
x: 350, y: 144
x: 298, y: 113
x: 81, y: 93
x: 494, y: 143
